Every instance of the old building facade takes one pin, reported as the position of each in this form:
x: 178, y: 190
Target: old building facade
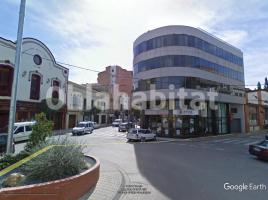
x: 256, y: 110
x: 41, y: 81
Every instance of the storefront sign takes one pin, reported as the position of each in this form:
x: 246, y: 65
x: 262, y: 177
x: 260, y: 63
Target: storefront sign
x: 156, y: 112
x: 185, y: 112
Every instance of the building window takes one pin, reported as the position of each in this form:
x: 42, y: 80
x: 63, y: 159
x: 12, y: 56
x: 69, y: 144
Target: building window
x: 6, y: 77
x: 35, y: 87
x: 187, y: 40
x: 37, y: 59
x: 55, y: 92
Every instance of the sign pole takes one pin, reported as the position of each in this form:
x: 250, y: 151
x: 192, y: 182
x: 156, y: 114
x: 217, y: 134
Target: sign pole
x: 13, y: 100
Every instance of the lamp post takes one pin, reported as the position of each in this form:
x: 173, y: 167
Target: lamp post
x: 13, y: 100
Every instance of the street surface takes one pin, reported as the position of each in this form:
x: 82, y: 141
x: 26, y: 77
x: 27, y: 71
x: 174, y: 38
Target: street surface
x: 173, y: 169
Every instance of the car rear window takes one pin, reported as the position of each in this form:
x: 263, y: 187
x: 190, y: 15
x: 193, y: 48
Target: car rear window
x: 134, y: 131
x: 144, y: 131
x: 81, y: 125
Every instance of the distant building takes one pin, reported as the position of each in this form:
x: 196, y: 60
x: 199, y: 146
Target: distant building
x: 76, y: 104
x: 84, y: 104
x: 189, y: 58
x: 256, y: 110
x: 41, y: 80
x: 120, y: 84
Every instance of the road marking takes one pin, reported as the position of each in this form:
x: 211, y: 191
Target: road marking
x: 230, y: 141
x: 246, y: 144
x: 242, y: 141
x: 221, y: 140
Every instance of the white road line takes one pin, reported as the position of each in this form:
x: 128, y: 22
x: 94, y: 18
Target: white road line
x: 242, y: 141
x: 221, y: 140
x: 229, y: 141
x: 246, y: 144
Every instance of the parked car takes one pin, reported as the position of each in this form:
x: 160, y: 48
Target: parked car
x: 124, y: 126
x: 83, y: 128
x: 3, y: 143
x: 95, y: 125
x: 22, y: 130
x: 142, y: 135
x: 260, y: 149
x: 116, y: 122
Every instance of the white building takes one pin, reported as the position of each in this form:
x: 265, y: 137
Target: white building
x: 86, y: 103
x: 192, y: 59
x: 40, y: 78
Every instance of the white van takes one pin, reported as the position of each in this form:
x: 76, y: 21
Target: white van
x: 83, y: 128
x: 22, y: 130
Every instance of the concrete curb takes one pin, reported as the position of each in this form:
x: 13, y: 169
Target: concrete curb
x: 110, y: 181
x: 212, y: 136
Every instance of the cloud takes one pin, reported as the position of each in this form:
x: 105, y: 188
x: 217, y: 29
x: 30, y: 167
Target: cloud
x: 234, y: 37
x: 95, y: 34
x: 256, y: 66
x: 100, y: 33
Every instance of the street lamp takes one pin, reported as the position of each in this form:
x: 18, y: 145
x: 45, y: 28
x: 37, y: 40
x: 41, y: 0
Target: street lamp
x: 13, y: 100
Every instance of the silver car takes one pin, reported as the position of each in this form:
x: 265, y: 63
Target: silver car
x: 142, y: 135
x: 83, y: 128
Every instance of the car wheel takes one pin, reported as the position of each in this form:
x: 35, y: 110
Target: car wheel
x: 143, y: 139
x: 154, y: 138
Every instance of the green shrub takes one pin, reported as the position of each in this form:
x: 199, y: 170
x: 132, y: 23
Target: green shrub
x: 59, y: 162
x: 41, y: 130
x: 8, y: 159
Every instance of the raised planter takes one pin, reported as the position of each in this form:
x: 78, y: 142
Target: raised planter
x: 69, y: 188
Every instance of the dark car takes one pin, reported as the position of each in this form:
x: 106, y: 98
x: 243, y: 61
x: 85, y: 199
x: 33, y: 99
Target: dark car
x: 3, y: 143
x: 260, y: 150
x: 125, y: 126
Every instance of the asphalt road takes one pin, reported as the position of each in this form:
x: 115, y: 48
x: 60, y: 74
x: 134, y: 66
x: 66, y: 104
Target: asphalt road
x: 183, y: 170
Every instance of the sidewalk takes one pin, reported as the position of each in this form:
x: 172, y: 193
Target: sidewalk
x: 116, y: 184
x: 261, y: 132
x: 110, y: 182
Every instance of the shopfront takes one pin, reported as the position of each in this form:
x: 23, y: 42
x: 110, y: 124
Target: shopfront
x: 189, y: 122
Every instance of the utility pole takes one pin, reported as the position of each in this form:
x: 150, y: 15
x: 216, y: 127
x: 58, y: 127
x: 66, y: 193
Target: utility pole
x: 13, y: 100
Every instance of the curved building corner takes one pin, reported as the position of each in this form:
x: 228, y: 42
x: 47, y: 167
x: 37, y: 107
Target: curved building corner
x: 170, y: 59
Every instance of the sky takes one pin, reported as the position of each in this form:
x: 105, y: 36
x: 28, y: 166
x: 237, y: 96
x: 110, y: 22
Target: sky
x: 94, y: 34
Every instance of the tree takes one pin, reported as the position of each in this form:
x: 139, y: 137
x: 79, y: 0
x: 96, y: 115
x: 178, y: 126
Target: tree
x: 41, y: 130
x: 266, y: 83
x: 259, y: 85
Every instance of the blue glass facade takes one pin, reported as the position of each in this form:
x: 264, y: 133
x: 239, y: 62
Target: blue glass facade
x: 182, y: 82
x: 190, y: 41
x: 187, y: 61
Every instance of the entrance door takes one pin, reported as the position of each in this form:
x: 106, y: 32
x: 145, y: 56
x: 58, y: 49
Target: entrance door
x: 72, y: 121
x: 236, y: 125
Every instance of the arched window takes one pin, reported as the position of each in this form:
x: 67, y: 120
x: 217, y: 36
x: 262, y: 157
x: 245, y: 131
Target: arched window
x: 55, y: 92
x: 35, y: 87
x: 6, y: 78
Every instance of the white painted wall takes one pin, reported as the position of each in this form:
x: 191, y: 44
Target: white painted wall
x: 49, y: 69
x: 264, y: 96
x: 252, y: 97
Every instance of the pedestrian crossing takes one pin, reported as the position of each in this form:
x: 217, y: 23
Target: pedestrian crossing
x: 109, y: 134
x: 235, y: 141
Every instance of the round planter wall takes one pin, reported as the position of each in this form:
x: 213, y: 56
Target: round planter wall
x: 70, y: 188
